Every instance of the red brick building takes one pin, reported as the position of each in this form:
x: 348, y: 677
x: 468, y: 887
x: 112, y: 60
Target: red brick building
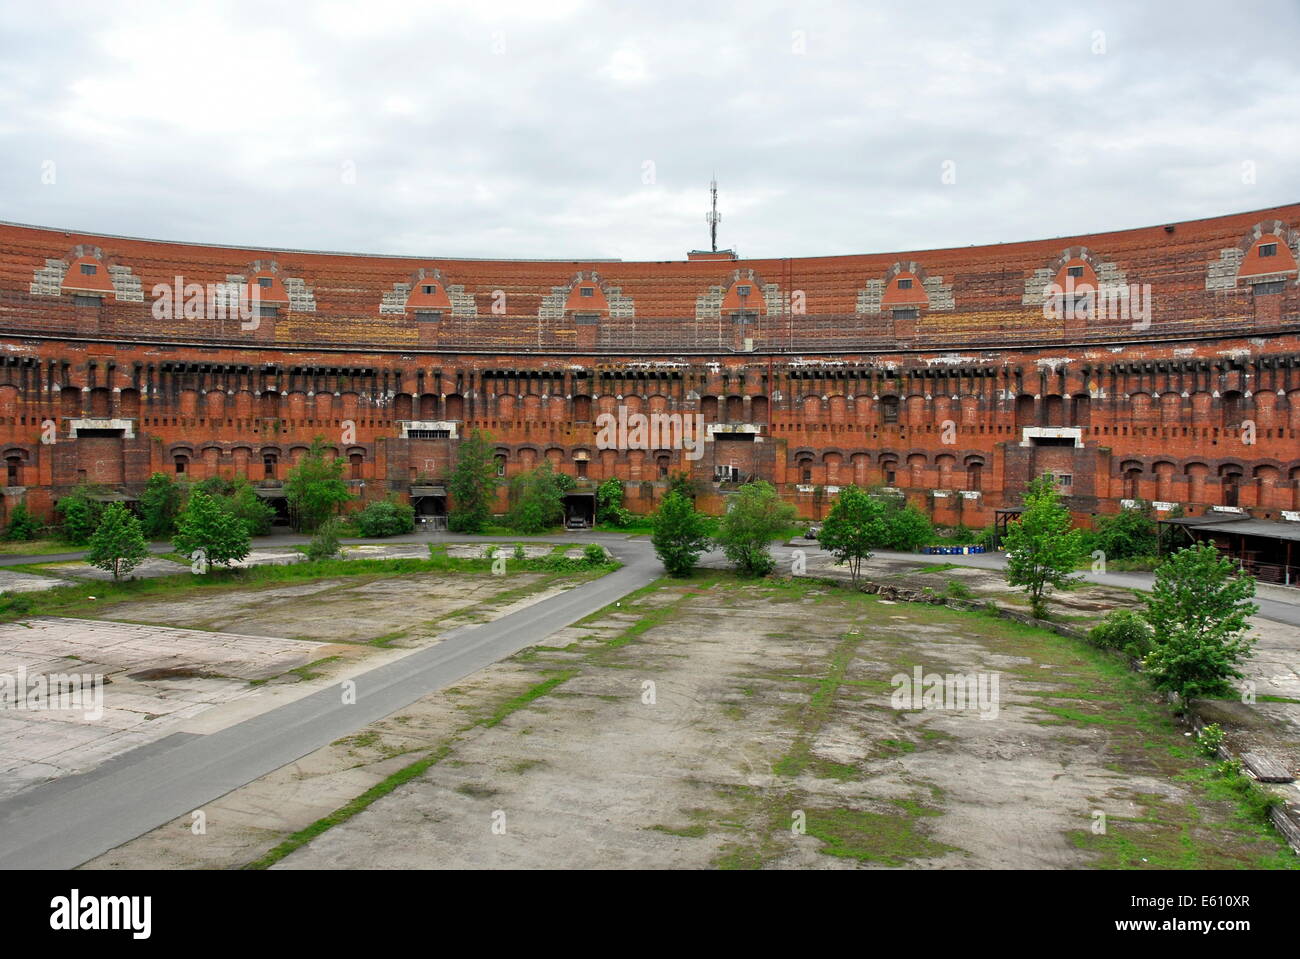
x: 955, y: 375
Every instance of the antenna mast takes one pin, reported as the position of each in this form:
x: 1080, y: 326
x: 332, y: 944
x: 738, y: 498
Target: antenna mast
x: 713, y: 217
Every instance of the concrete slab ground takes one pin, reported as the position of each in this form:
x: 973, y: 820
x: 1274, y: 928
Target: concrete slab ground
x: 717, y: 723
x: 155, y: 679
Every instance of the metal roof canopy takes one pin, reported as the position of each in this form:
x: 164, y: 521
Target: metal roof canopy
x: 1262, y: 528
x: 1208, y: 519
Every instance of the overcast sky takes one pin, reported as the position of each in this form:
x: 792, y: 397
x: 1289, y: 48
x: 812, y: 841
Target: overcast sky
x: 563, y: 128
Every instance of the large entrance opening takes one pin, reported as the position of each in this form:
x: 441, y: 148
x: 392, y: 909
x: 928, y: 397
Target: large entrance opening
x: 430, y: 504
x: 579, y: 510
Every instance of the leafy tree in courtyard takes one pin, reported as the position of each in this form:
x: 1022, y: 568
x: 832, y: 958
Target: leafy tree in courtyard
x: 1129, y: 534
x: 117, y: 546
x: 854, y: 525
x: 315, y: 489
x: 204, y: 524
x: 1042, y: 548
x: 609, y: 504
x: 473, y: 485
x: 756, y: 516
x: 680, y: 482
x: 79, y: 513
x: 536, y: 503
x: 160, y: 504
x: 904, y: 528
x: 22, y: 524
x: 1198, y: 609
x: 679, y: 534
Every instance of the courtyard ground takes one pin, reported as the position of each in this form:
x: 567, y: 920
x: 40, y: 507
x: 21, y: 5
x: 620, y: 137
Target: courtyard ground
x: 723, y: 723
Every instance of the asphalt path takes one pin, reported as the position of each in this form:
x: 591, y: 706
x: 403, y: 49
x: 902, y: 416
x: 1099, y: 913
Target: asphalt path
x: 71, y: 820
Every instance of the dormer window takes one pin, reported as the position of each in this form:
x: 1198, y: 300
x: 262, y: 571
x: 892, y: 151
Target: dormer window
x: 743, y: 290
x: 89, y: 269
x: 1265, y: 249
x: 905, y: 284
x: 1075, y: 271
x: 264, y: 282
x: 430, y: 288
x: 587, y: 291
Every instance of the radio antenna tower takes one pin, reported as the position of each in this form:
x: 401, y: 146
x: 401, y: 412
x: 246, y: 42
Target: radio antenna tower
x: 713, y: 217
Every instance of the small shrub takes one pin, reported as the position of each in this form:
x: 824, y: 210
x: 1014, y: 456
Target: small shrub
x: 519, y: 551
x: 1124, y: 630
x: 15, y: 604
x: 593, y: 554
x: 23, y: 526
x: 384, y: 518
x: 325, y: 542
x: 1209, y: 739
x: 959, y: 590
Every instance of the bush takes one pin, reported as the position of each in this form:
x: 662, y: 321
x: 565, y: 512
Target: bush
x: 324, y: 543
x: 958, y: 590
x: 756, y: 516
x: 315, y: 489
x: 1124, y: 630
x: 679, y: 534
x: 384, y: 518
x: 536, y: 503
x: 1128, y: 535
x: 473, y: 484
x: 160, y: 504
x: 23, y: 526
x: 593, y: 554
x: 520, y: 553
x: 609, y: 504
x: 244, y: 503
x: 79, y: 514
x: 1209, y: 739
x: 15, y: 604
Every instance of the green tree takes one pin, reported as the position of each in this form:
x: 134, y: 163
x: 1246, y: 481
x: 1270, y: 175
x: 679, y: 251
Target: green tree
x: 22, y: 524
x: 681, y: 482
x: 79, y: 513
x: 243, y: 502
x: 536, y: 503
x: 385, y: 517
x: 854, y: 526
x: 679, y: 534
x: 1129, y: 534
x: 756, y: 515
x: 905, y: 527
x: 205, y: 526
x: 1042, y: 548
x: 117, y: 546
x: 473, y: 484
x: 1198, y: 610
x: 160, y: 504
x: 315, y: 488
x: 609, y: 504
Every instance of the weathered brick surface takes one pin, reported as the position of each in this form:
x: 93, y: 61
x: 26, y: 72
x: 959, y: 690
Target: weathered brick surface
x: 1200, y: 406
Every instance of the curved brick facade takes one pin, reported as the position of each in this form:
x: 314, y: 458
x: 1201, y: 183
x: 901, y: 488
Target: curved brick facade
x: 939, y: 372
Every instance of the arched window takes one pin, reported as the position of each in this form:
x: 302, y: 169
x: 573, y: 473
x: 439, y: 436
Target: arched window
x: 182, y: 463
x: 355, y: 460
x: 269, y: 462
